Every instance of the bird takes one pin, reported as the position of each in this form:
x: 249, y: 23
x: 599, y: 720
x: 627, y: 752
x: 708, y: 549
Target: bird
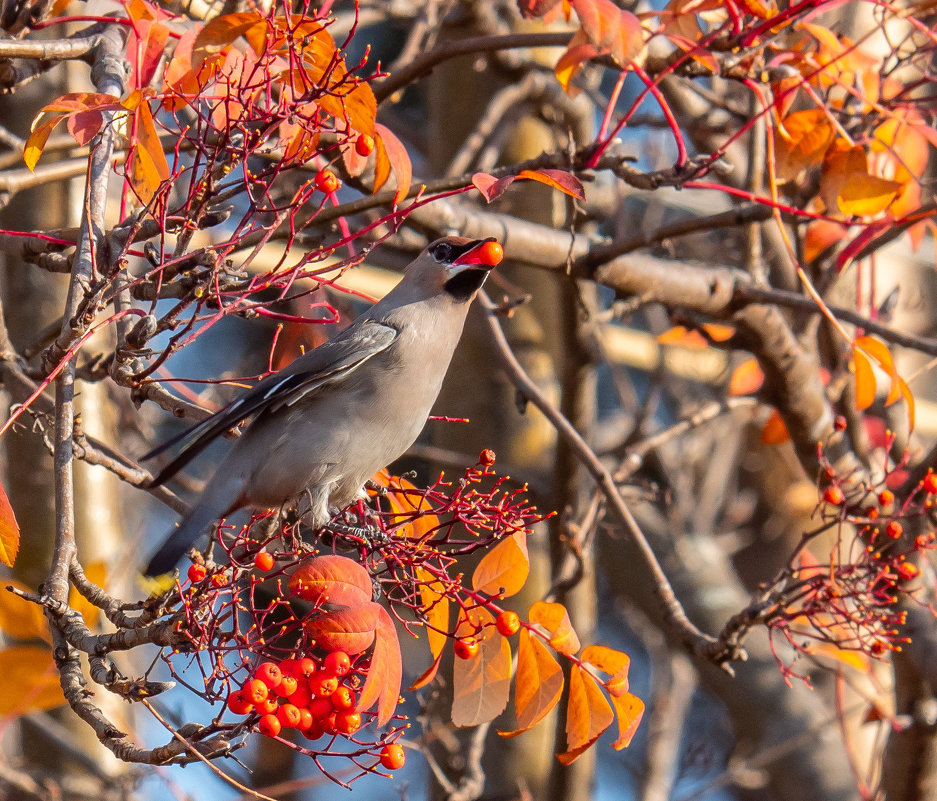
x: 328, y: 421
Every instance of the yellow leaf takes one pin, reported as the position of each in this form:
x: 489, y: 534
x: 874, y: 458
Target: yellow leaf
x: 20, y: 618
x: 587, y: 715
x: 30, y: 681
x: 538, y: 683
x: 555, y: 619
x: 9, y: 531
x: 864, y: 195
x: 803, y: 137
x: 504, y: 569
x: 481, y: 685
x: 746, y: 378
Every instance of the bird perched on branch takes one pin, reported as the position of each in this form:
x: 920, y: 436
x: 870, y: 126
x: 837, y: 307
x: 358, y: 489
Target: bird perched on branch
x: 331, y: 419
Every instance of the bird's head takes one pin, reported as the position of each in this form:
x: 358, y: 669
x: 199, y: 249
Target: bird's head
x: 457, y: 266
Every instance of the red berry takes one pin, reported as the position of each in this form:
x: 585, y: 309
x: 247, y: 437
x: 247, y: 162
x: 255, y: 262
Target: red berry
x: 840, y: 423
x: 219, y: 580
x: 337, y: 662
x: 314, y: 732
x: 305, y: 667
x: 343, y: 698
x: 886, y: 497
x: 929, y: 482
x: 290, y: 667
x: 323, y: 684
x: 466, y: 648
x: 487, y: 457
x: 196, y: 573
x: 264, y: 561
x: 289, y: 717
x: 269, y: 674
x: 347, y: 722
x: 326, y: 181
x: 269, y: 725
x: 255, y: 691
x: 393, y: 757
x: 321, y: 708
x: 239, y: 703
x: 288, y: 686
x: 833, y: 495
x: 364, y: 145
x: 302, y: 696
x: 894, y: 529
x: 267, y: 707
x: 508, y: 623
x: 305, y: 719
x: 328, y: 723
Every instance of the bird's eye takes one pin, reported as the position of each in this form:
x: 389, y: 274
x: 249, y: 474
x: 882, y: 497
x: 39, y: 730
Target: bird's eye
x: 442, y: 252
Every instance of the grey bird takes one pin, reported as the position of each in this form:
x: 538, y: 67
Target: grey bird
x: 331, y: 419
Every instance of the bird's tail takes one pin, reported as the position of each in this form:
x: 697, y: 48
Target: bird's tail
x: 190, y: 528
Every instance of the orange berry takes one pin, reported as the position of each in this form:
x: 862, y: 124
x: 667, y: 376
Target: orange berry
x: 269, y: 674
x: 347, y: 722
x: 894, y: 529
x: 269, y: 725
x: 305, y: 719
x: 326, y: 181
x: 264, y: 561
x: 289, y: 717
x: 487, y: 457
x: 267, y: 707
x: 508, y: 623
x: 337, y: 662
x: 364, y: 145
x: 255, y: 691
x: 328, y: 723
x: 886, y: 497
x: 393, y: 757
x: 466, y: 648
x: 929, y: 483
x: 196, y: 573
x: 288, y: 685
x: 907, y: 570
x: 239, y: 703
x: 323, y: 684
x: 833, y: 495
x: 491, y: 253
x: 219, y: 580
x: 343, y: 698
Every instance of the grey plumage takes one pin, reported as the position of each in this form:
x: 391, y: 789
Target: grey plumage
x: 336, y: 415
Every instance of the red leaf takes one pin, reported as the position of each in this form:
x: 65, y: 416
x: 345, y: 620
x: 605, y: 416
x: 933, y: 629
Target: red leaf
x: 398, y: 158
x: 350, y: 630
x: 536, y: 8
x: 84, y: 126
x: 382, y: 684
x: 611, y: 29
x: 225, y: 29
x: 332, y: 579
x: 490, y: 186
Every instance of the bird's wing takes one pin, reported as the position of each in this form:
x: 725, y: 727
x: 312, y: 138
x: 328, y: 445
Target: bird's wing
x: 327, y: 364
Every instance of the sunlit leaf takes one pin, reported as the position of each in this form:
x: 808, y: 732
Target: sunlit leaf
x: 555, y: 619
x: 331, y: 579
x: 96, y: 573
x: 559, y: 179
x: 774, y: 431
x: 746, y: 379
x: 803, y: 138
x: 504, y: 569
x: 629, y: 709
x: 538, y: 683
x: 608, y: 660
x: 865, y: 380
x: 9, y: 531
x: 224, y: 30
x: 588, y: 714
x: 578, y: 52
x: 398, y: 159
x: 19, y: 618
x: 435, y: 605
x: 481, y: 685
x: 31, y: 682
x: 611, y: 29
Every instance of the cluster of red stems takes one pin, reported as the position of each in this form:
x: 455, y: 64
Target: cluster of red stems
x: 852, y: 602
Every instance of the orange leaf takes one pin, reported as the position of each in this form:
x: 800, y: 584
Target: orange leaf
x: 149, y: 168
x: 611, y: 29
x: 857, y: 661
x: 909, y: 399
x: 538, y: 683
x: 397, y: 158
x: 481, y: 685
x: 879, y: 351
x: 555, y: 619
x: 587, y: 715
x: 382, y: 684
x: 331, y: 579
x: 9, y: 531
x: 224, y: 30
x: 683, y: 337
x: 821, y: 235
x: 775, y: 431
x: 578, y: 52
x: 504, y: 569
x: 864, y: 195
x: 803, y: 137
x: 435, y: 605
x: 407, y: 502
x: 31, y: 682
x: 630, y: 710
x: 559, y: 179
x: 427, y: 675
x: 610, y: 661
x: 746, y: 378
x: 22, y: 619
x: 350, y: 630
x: 865, y: 380
x: 717, y: 332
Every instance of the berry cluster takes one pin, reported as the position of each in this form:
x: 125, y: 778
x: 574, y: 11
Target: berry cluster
x: 315, y: 697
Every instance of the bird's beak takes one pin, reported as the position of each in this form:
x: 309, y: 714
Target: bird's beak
x: 481, y: 253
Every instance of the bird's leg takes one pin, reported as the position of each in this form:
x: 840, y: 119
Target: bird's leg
x: 368, y: 535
